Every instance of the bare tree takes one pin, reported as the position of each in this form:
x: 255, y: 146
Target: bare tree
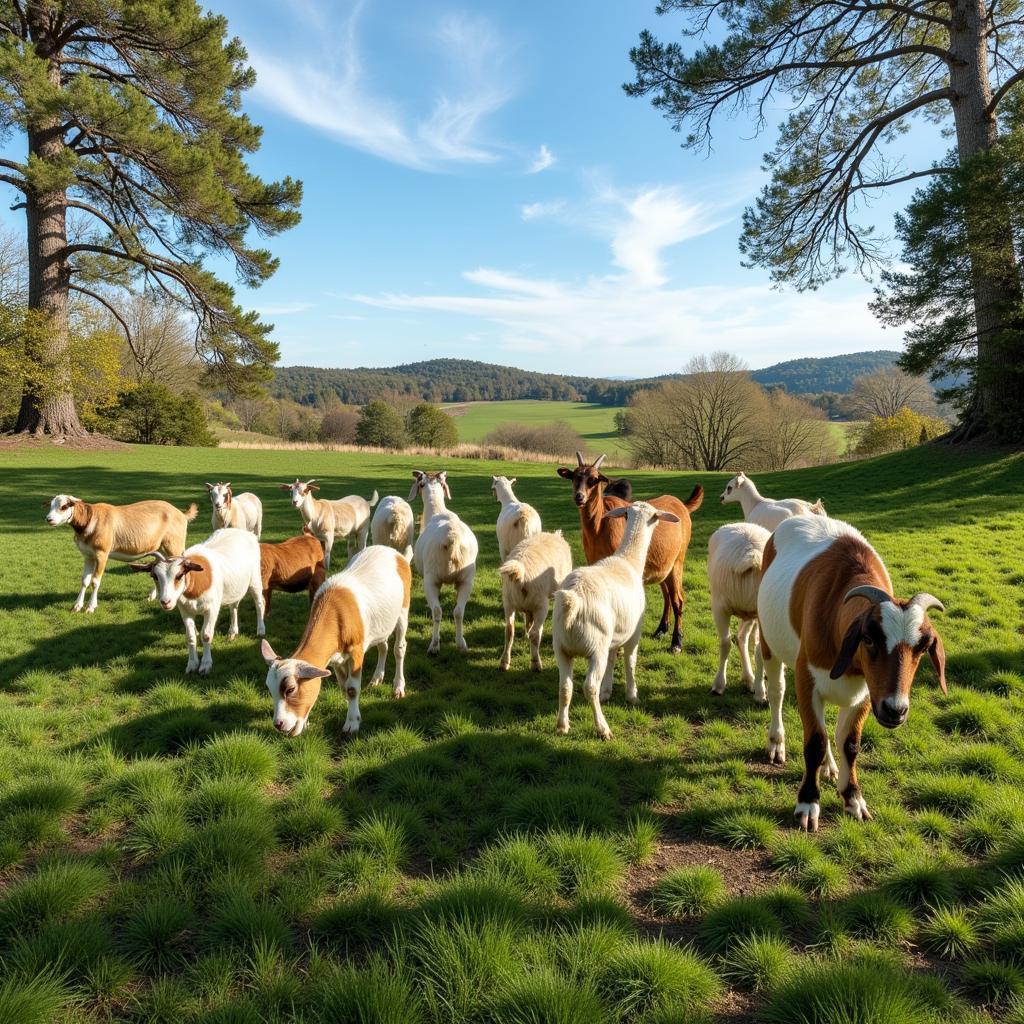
x: 250, y: 411
x: 705, y: 420
x: 793, y: 433
x: 884, y: 392
x: 158, y: 344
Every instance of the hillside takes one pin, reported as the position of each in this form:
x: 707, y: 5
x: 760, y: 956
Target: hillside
x: 467, y: 380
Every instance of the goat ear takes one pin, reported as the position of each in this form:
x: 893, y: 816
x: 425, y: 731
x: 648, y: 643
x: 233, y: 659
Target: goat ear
x: 567, y: 473
x: 268, y: 652
x: 141, y: 566
x: 937, y: 653
x: 603, y: 478
x: 446, y: 488
x: 190, y: 566
x: 415, y: 489
x: 667, y: 517
x: 619, y: 512
x: 280, y: 487
x: 851, y: 642
x: 306, y: 671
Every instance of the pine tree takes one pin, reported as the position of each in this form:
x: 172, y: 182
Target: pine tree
x: 854, y: 72
x: 131, y: 111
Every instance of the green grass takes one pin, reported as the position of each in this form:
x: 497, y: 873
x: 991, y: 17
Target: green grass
x: 594, y: 423
x: 165, y: 856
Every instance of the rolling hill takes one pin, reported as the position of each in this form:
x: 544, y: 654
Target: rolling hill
x: 467, y: 380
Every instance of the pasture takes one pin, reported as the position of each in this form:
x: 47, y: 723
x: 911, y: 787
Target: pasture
x: 166, y: 857
x: 594, y: 423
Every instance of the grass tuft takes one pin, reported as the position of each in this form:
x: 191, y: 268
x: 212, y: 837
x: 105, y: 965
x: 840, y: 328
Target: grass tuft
x: 991, y: 981
x: 738, y: 919
x: 585, y: 865
x: 58, y: 889
x: 35, y: 1000
x: 758, y: 963
x: 684, y: 892
x: 744, y: 831
x: 951, y: 932
x: 874, y: 916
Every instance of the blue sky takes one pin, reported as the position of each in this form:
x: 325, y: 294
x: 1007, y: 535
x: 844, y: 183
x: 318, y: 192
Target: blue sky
x: 478, y: 185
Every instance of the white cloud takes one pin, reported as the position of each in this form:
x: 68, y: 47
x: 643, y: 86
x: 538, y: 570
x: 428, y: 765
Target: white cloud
x: 329, y: 91
x: 542, y: 161
x: 284, y: 309
x: 633, y: 319
x: 534, y: 211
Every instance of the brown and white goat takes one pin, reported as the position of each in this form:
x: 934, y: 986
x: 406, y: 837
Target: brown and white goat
x: 602, y: 535
x: 359, y: 608
x: 121, y: 532
x: 825, y: 606
x: 293, y: 565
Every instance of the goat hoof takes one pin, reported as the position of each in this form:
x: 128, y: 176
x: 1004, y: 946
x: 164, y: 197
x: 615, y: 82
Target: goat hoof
x: 760, y: 702
x: 562, y: 729
x: 399, y: 694
x: 807, y: 816
x: 503, y: 666
x: 607, y: 735
x: 537, y: 667
x: 857, y: 808
x: 716, y: 693
x: 661, y: 630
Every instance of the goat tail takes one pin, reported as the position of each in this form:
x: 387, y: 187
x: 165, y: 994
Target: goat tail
x: 570, y: 605
x: 374, y: 499
x: 191, y: 512
x: 696, y: 499
x: 818, y: 508
x: 513, y: 569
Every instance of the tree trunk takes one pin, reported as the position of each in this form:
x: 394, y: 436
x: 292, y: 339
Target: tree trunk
x: 48, y: 407
x: 995, y: 277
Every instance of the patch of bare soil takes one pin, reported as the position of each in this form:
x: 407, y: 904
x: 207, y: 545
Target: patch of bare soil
x: 85, y: 442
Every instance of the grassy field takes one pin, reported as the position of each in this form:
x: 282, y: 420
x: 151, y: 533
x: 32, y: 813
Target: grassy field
x: 166, y: 857
x: 594, y: 423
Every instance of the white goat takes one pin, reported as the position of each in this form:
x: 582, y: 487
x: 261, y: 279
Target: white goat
x: 121, y: 532
x: 353, y: 611
x: 600, y: 609
x: 445, y: 553
x: 344, y: 517
x: 766, y: 512
x: 241, y: 511
x: 516, y: 520
x: 734, y: 572
x: 219, y: 571
x: 533, y: 571
x: 392, y: 525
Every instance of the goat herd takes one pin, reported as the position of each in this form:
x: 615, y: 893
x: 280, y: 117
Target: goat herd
x: 809, y: 591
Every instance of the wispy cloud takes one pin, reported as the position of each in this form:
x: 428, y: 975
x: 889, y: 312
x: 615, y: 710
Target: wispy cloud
x: 284, y: 309
x: 542, y: 161
x: 534, y: 211
x: 634, y: 318
x: 329, y: 90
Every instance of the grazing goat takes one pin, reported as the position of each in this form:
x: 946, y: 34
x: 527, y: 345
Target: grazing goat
x: 766, y: 512
x: 825, y: 606
x: 530, y: 575
x: 121, y: 532
x: 667, y: 553
x: 392, y: 525
x: 359, y: 608
x: 205, y: 577
x: 445, y: 552
x: 345, y: 517
x: 293, y: 565
x: 600, y: 609
x: 516, y: 520
x: 241, y: 511
x: 734, y: 572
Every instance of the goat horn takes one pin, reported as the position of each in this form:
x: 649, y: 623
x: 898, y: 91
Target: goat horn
x: 579, y: 459
x: 874, y: 594
x: 598, y: 461
x: 926, y: 602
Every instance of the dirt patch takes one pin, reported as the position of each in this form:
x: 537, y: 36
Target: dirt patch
x: 85, y: 443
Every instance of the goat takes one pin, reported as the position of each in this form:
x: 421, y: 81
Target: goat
x: 516, y: 520
x: 359, y: 608
x: 205, y: 577
x: 293, y: 565
x: 242, y: 511
x: 392, y: 525
x: 767, y: 512
x: 600, y: 608
x: 121, y: 532
x: 344, y: 517
x: 445, y: 553
x: 825, y: 606
x: 734, y: 572
x: 667, y: 553
x: 530, y: 575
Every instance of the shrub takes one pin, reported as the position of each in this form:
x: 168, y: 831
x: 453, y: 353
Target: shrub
x: 685, y: 891
x: 427, y: 425
x: 905, y: 429
x: 556, y: 438
x: 339, y: 425
x: 151, y: 413
x: 381, y: 426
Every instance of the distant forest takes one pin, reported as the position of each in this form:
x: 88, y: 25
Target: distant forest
x: 466, y: 380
